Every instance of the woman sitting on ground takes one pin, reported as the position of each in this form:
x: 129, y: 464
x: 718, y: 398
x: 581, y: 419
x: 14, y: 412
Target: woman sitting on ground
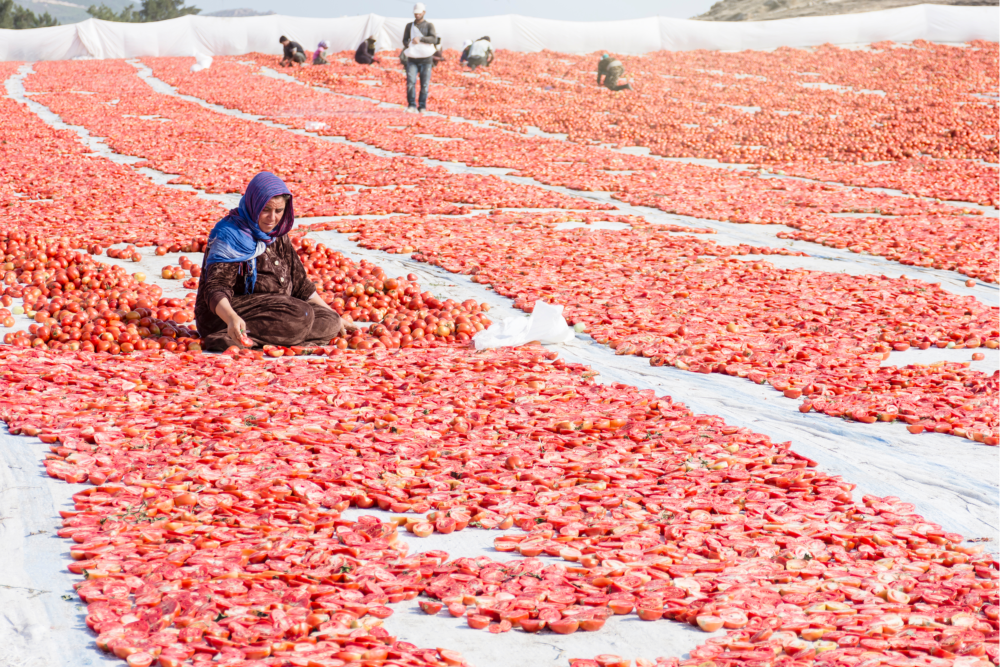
x: 254, y: 289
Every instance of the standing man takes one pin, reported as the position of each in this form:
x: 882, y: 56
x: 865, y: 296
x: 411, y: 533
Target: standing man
x: 419, y: 39
x: 294, y: 53
x: 480, y: 53
x: 611, y: 69
x: 438, y: 54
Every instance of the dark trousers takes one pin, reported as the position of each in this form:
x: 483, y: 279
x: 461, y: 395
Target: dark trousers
x: 611, y: 79
x: 412, y: 70
x: 273, y: 319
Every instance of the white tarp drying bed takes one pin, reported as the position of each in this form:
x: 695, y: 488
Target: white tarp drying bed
x: 951, y: 481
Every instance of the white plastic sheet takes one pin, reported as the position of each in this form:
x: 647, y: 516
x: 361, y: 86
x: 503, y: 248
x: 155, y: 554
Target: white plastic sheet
x: 545, y: 325
x: 220, y: 36
x: 201, y: 61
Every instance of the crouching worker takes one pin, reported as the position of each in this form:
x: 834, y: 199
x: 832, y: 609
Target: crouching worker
x: 319, y: 55
x: 480, y: 53
x: 610, y: 69
x: 292, y: 52
x: 254, y: 289
x: 365, y: 54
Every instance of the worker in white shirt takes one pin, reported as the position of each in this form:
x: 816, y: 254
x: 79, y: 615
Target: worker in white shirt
x: 480, y: 53
x: 419, y: 40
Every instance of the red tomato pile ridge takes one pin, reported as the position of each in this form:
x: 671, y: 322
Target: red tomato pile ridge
x: 685, y: 189
x: 691, y: 303
x: 179, y: 137
x: 211, y: 526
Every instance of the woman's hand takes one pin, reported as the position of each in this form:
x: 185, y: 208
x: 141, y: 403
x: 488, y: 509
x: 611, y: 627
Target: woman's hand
x: 237, y: 331
x: 236, y: 328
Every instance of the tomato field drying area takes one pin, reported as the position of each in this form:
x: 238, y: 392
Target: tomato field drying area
x: 772, y: 441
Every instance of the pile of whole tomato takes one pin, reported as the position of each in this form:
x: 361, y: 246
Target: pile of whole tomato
x: 211, y: 528
x: 402, y: 315
x: 78, y: 303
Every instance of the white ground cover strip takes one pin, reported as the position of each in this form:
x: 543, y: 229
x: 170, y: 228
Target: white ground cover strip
x: 627, y: 636
x: 41, y: 617
x: 951, y: 481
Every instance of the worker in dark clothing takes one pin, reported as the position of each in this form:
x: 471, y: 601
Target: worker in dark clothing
x: 419, y: 39
x: 610, y: 70
x: 294, y: 53
x: 365, y: 55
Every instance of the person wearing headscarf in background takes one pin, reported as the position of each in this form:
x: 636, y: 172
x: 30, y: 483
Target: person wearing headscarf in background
x: 319, y: 55
x: 254, y: 289
x: 480, y: 53
x: 611, y: 69
x: 365, y: 55
x: 419, y: 39
x: 465, y: 52
x: 294, y: 53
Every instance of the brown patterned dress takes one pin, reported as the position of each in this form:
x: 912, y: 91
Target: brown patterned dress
x: 276, y: 313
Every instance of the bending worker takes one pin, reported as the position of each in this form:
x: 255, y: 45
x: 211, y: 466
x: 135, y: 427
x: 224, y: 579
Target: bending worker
x: 293, y: 52
x: 254, y: 289
x: 610, y: 69
x: 480, y: 53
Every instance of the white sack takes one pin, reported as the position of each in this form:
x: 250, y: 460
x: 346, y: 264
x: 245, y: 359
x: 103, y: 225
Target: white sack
x: 201, y: 61
x: 546, y: 325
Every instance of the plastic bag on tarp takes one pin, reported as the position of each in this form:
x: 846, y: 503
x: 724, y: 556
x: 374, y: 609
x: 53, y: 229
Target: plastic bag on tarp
x: 201, y: 62
x: 546, y: 325
x: 313, y: 125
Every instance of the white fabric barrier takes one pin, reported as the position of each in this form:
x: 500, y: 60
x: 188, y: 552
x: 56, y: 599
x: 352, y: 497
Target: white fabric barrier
x: 57, y: 43
x: 217, y: 36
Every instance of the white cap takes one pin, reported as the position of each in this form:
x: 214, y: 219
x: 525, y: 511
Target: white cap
x: 466, y: 43
x: 419, y: 8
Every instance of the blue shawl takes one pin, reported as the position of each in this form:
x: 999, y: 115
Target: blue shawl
x: 238, y: 238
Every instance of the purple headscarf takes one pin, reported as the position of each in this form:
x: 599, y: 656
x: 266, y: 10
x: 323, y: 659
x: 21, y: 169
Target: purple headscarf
x: 238, y: 237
